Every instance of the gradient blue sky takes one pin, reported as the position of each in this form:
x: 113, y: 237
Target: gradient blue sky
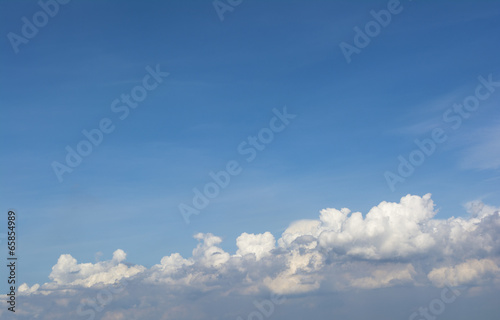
x: 353, y: 120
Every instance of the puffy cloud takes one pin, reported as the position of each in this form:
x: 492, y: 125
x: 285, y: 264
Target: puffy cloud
x: 300, y: 275
x: 298, y: 229
x: 68, y: 271
x: 404, y: 230
x: 394, y: 244
x: 24, y: 289
x: 471, y: 271
x: 385, y: 277
x: 259, y: 245
x: 173, y: 263
x: 389, y: 230
x: 207, y: 252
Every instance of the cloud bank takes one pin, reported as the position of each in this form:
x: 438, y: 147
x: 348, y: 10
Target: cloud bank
x: 393, y: 245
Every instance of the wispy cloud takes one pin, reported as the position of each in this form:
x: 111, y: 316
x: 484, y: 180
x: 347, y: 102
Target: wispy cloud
x: 483, y: 152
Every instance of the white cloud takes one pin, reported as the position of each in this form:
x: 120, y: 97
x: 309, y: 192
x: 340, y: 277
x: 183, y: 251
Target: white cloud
x: 301, y: 272
x: 207, y: 252
x: 259, y: 245
x: 394, y: 244
x: 173, y: 263
x: 385, y: 277
x: 469, y: 272
x: 68, y: 271
x: 388, y: 230
x: 24, y: 289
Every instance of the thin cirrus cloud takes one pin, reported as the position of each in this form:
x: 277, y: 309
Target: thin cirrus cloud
x: 484, y: 152
x: 393, y: 245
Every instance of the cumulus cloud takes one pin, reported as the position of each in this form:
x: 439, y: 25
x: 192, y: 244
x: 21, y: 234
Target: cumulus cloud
x: 389, y: 230
x: 67, y: 272
x: 259, y: 245
x: 393, y: 244
x: 471, y: 271
x: 24, y: 289
x: 207, y: 252
x: 301, y: 271
x: 386, y: 277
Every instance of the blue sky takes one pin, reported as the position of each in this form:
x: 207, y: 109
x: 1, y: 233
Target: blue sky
x: 225, y: 78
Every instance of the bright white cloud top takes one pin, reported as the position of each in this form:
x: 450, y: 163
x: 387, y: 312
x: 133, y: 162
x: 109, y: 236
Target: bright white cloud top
x: 394, y: 244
